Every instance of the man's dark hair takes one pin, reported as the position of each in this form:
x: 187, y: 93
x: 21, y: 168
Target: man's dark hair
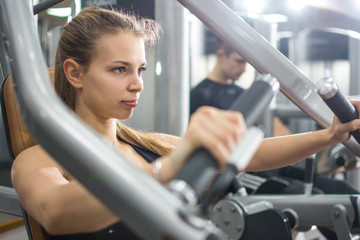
x: 222, y: 45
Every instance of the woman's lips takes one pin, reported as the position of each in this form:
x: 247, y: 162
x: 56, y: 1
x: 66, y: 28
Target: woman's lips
x: 131, y: 104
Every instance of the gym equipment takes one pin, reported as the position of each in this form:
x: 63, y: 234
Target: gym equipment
x: 201, y: 168
x: 9, y: 202
x: 42, y: 6
x: 337, y: 102
x: 337, y: 212
x: 77, y: 147
x: 233, y: 30
x: 293, y: 83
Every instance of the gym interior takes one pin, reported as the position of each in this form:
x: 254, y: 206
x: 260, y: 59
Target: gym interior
x: 289, y: 47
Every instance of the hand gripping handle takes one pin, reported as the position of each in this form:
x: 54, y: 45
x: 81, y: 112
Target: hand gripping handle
x: 201, y: 168
x: 337, y: 102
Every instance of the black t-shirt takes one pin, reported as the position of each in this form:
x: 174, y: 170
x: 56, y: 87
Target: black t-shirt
x: 214, y: 94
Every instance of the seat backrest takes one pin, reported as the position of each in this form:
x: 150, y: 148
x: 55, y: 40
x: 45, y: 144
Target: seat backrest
x: 19, y: 139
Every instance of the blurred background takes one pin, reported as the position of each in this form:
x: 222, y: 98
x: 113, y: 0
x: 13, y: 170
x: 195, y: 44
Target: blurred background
x: 317, y: 36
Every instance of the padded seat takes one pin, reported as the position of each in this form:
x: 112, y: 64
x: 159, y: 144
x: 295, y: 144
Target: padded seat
x: 19, y: 139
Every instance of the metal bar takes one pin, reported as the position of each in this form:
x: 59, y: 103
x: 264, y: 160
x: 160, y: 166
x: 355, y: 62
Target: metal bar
x: 265, y: 58
x: 172, y: 86
x: 45, y: 5
x: 9, y: 202
x: 311, y: 210
x: 130, y: 193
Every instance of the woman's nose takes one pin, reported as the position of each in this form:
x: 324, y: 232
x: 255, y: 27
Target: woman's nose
x: 136, y: 83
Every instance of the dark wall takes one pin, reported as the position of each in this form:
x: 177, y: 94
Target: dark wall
x: 321, y: 45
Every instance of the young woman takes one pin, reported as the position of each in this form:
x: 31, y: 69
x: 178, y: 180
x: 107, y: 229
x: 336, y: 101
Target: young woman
x: 99, y: 62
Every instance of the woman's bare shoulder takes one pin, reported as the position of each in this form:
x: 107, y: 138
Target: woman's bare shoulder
x: 34, y: 157
x: 32, y: 152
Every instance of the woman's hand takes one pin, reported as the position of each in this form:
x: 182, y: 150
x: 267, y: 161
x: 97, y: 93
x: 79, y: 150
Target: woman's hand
x: 339, y: 132
x: 218, y: 131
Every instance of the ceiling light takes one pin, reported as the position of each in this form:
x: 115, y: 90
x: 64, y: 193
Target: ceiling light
x: 296, y: 5
x: 275, y: 18
x: 59, y: 12
x: 256, y: 6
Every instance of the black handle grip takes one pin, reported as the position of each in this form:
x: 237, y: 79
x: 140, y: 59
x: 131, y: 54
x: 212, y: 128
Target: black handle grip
x: 221, y: 184
x: 254, y: 101
x: 199, y: 171
x: 201, y: 168
x: 344, y: 110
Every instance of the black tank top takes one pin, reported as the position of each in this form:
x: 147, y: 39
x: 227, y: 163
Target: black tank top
x: 118, y: 231
x: 145, y: 153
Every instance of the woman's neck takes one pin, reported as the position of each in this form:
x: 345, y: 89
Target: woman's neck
x: 105, y: 127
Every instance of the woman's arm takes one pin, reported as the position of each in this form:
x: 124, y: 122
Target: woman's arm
x: 215, y: 130
x: 281, y: 151
x: 63, y: 206
x: 58, y: 202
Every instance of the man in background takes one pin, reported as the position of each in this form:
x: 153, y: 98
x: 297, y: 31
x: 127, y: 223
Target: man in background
x: 219, y: 89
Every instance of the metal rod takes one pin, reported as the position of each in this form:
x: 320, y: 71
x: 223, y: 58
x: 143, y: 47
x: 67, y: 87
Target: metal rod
x: 9, y: 202
x: 45, y: 5
x: 265, y: 59
x: 311, y: 210
x: 126, y: 190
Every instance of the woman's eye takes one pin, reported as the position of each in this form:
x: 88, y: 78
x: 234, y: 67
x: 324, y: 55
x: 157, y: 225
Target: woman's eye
x: 142, y: 69
x: 119, y: 69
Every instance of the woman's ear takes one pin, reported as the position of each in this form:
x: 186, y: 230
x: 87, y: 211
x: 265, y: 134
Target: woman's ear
x: 73, y: 72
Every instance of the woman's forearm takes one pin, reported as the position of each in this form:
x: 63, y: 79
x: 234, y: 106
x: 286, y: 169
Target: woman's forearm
x: 281, y: 151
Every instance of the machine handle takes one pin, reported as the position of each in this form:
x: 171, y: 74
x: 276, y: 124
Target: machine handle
x: 201, y: 168
x: 337, y: 102
x: 309, y: 175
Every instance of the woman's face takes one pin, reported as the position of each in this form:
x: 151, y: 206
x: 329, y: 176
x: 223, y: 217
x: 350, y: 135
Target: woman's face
x: 113, y: 82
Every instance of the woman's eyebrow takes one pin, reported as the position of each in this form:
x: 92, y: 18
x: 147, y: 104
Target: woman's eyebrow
x: 128, y: 63
x: 120, y: 61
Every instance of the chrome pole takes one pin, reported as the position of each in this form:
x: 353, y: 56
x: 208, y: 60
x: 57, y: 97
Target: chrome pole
x: 265, y: 58
x: 130, y: 193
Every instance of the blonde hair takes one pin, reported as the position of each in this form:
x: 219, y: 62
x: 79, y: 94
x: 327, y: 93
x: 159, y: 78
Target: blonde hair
x: 78, y: 41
